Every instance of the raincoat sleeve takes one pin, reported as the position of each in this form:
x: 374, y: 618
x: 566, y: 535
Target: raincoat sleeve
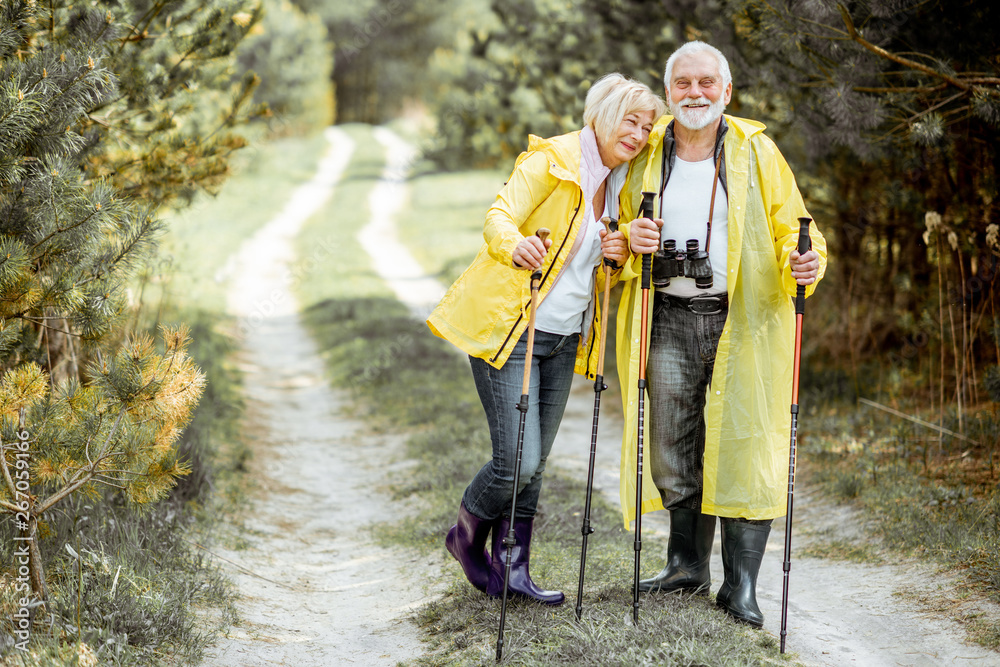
x: 640, y: 173
x: 529, y: 185
x: 784, y: 206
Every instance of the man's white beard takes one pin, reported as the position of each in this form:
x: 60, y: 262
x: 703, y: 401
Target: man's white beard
x: 697, y: 119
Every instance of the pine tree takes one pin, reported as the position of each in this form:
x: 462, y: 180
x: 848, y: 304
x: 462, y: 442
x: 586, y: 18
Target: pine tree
x: 108, y: 110
x: 898, y: 106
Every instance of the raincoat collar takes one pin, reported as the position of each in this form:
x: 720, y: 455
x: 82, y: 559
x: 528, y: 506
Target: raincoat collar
x: 563, y: 153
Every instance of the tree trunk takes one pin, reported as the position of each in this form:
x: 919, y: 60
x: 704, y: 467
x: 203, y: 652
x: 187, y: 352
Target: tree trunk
x: 35, y: 566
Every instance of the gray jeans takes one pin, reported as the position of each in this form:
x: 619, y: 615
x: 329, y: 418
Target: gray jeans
x: 489, y: 494
x: 679, y: 370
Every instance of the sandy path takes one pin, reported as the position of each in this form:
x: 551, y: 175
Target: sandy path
x: 320, y: 592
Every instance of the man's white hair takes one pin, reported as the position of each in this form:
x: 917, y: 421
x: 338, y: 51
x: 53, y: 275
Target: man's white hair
x: 698, y: 47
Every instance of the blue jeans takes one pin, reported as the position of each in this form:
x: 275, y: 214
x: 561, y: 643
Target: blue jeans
x: 553, y: 357
x: 682, y: 348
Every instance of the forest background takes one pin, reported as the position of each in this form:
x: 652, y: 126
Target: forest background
x: 115, y: 114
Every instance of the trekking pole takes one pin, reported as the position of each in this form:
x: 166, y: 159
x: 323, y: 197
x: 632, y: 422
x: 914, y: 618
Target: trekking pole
x: 611, y: 225
x: 800, y: 306
x: 509, y: 540
x: 645, y: 211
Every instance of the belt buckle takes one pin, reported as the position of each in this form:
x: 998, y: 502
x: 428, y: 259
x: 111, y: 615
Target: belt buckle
x: 705, y: 305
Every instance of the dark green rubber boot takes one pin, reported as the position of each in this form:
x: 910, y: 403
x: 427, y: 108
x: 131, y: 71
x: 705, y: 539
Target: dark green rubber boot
x: 742, y: 550
x: 688, y: 554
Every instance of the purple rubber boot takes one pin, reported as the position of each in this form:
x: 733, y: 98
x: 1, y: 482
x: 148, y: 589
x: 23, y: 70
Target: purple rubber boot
x: 520, y: 582
x: 467, y: 543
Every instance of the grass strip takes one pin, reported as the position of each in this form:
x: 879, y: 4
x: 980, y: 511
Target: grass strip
x: 330, y: 259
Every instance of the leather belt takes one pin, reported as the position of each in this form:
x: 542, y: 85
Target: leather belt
x: 700, y: 305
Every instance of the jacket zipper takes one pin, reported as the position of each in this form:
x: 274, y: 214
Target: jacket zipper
x: 590, y: 348
x: 544, y: 278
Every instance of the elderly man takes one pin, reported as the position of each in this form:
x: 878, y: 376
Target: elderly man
x: 719, y: 367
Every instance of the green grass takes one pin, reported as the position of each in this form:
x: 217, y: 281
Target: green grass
x: 403, y: 378
x: 443, y: 223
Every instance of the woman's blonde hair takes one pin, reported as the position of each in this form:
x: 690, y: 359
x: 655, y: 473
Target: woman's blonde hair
x: 611, y: 98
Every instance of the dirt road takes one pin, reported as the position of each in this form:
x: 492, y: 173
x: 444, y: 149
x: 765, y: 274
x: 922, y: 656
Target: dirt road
x: 315, y: 589
x: 318, y: 592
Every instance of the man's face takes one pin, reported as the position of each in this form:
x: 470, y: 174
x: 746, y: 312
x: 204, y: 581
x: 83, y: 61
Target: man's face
x: 696, y: 96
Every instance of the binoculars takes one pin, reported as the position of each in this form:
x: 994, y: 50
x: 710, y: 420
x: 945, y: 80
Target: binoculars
x: 669, y: 262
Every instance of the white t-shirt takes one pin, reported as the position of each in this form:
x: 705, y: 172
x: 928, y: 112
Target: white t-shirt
x: 684, y: 210
x: 564, y: 307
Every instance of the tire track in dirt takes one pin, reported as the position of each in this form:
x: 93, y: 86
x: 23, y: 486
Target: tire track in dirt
x: 391, y: 260
x: 315, y: 589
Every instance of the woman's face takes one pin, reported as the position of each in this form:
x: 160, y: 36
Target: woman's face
x: 630, y: 138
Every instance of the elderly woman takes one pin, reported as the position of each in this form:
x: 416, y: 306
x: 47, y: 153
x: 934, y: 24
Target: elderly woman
x: 565, y: 183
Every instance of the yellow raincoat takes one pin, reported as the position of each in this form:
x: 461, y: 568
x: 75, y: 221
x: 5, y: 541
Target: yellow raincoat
x: 747, y: 409
x: 484, y: 312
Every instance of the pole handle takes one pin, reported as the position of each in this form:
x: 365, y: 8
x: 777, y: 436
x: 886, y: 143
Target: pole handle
x: 804, y: 246
x: 536, y: 275
x: 646, y: 211
x: 805, y: 242
x: 610, y: 225
x: 542, y: 233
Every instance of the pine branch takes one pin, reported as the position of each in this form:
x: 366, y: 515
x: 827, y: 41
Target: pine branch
x: 134, y: 473
x: 63, y: 230
x: 108, y: 482
x: 905, y: 62
x: 10, y: 508
x: 42, y: 324
x: 6, y: 474
x: 901, y: 89
x: 149, y: 16
x: 74, y: 486
x: 909, y: 121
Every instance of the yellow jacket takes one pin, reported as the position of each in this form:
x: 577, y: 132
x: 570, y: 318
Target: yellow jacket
x: 484, y: 313
x: 747, y: 411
